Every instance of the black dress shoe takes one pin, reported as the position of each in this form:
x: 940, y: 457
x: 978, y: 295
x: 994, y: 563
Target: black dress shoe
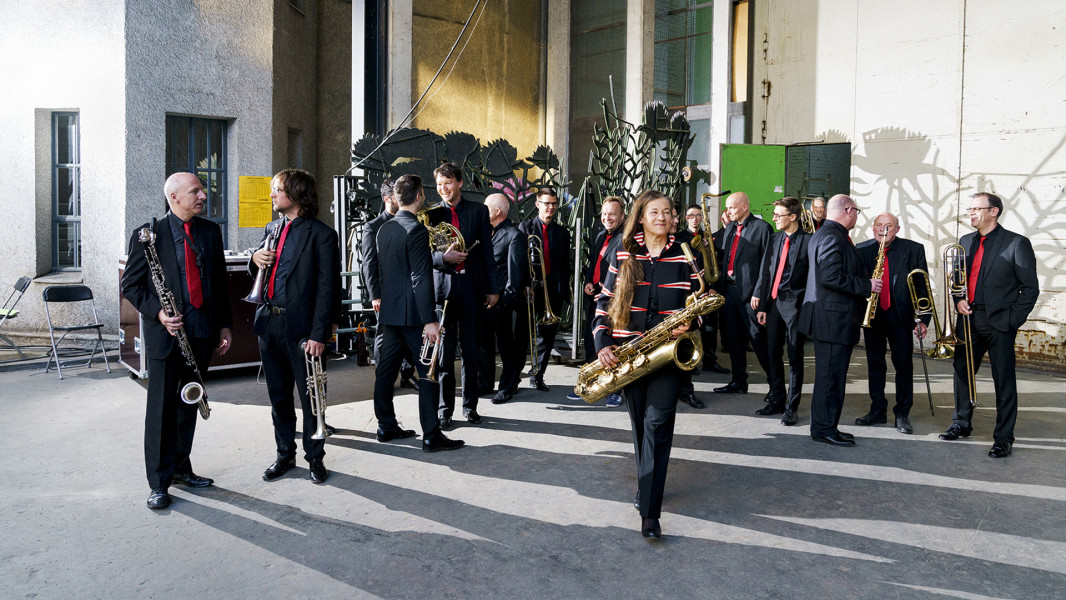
x: 872, y: 418
x: 789, y: 418
x: 903, y: 425
x: 636, y: 501
x: 716, y: 368
x: 280, y: 467
x: 845, y: 435
x: 473, y: 418
x: 319, y: 474
x: 539, y: 385
x: 445, y: 423
x: 1000, y: 450
x: 771, y: 409
x: 768, y: 398
x: 441, y: 442
x: 649, y: 528
x: 330, y: 430
x: 501, y: 397
x: 731, y: 388
x: 954, y: 432
x: 409, y: 382
x: 833, y: 439
x: 159, y: 499
x: 192, y: 480
x: 394, y: 432
x: 692, y: 400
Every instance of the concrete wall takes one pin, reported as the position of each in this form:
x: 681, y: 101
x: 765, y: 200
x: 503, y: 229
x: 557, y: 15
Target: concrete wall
x: 939, y: 100
x: 333, y: 148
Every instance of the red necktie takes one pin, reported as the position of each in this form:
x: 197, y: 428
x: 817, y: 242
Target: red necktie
x: 733, y: 250
x: 547, y: 255
x: 192, y: 272
x: 455, y: 223
x: 277, y: 260
x: 885, y: 299
x: 596, y: 273
x: 780, y: 268
x: 975, y: 270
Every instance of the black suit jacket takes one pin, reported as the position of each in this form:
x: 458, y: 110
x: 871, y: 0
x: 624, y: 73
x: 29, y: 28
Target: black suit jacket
x: 559, y: 257
x: 605, y: 260
x: 1007, y: 284
x: 474, y: 226
x: 793, y: 278
x: 903, y: 256
x: 754, y: 239
x: 137, y: 284
x: 370, y: 254
x: 313, y: 287
x: 837, y: 288
x: 510, y: 261
x: 407, y: 298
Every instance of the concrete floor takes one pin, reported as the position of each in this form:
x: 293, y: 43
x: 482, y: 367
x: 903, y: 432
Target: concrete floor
x: 537, y: 506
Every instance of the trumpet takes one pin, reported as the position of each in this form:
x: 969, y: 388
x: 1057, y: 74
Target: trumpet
x: 923, y: 305
x: 256, y: 295
x: 316, y: 390
x: 955, y: 284
x: 430, y: 353
x: 702, y: 241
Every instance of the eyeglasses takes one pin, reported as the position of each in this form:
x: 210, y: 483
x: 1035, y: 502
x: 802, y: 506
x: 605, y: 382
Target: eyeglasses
x: 547, y: 203
x: 852, y: 208
x: 973, y: 210
x: 781, y: 215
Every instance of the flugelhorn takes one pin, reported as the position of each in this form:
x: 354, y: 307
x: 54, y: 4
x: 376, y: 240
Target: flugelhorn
x: 256, y: 295
x: 316, y: 391
x: 430, y: 353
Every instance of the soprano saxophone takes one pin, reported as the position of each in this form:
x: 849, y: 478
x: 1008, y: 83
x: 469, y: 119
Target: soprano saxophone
x: 654, y: 350
x: 193, y: 392
x: 875, y: 297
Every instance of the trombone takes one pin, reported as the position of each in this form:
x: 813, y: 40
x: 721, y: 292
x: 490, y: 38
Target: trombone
x: 536, y: 257
x: 923, y: 305
x: 955, y: 285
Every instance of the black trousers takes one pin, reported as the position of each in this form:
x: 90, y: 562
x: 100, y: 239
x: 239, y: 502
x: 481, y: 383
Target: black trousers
x: 397, y: 342
x: 460, y: 329
x: 504, y: 332
x: 739, y: 327
x: 652, y: 405
x: 285, y: 368
x: 408, y: 361
x: 780, y: 336
x: 545, y: 335
x: 830, y: 378
x: 888, y: 331
x: 169, y: 423
x: 588, y: 340
x: 1000, y: 348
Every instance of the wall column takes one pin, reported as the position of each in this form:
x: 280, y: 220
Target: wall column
x: 557, y: 89
x: 401, y: 16
x: 640, y: 57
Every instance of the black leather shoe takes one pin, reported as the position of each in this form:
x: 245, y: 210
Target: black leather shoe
x: 636, y: 501
x: 192, y: 480
x: 833, y: 440
x: 903, y: 425
x: 649, y: 528
x: 409, y: 382
x: 280, y: 467
x: 845, y: 435
x: 394, y: 432
x: 716, y: 368
x: 445, y: 423
x: 954, y: 432
x: 768, y: 398
x: 731, y: 388
x: 330, y: 430
x: 771, y: 409
x: 441, y: 442
x: 1000, y: 450
x: 159, y: 499
x: 539, y: 385
x: 473, y: 418
x: 319, y: 474
x: 692, y: 400
x: 501, y: 397
x: 789, y: 418
x: 872, y: 418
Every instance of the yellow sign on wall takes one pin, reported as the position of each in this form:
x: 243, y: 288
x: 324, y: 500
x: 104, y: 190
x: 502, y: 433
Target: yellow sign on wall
x: 254, y: 201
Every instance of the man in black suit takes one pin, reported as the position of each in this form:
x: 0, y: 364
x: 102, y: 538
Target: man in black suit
x: 373, y: 279
x: 746, y: 240
x: 194, y: 270
x: 893, y: 322
x: 408, y: 315
x: 1002, y: 289
x: 818, y: 212
x: 467, y: 280
x: 832, y: 312
x: 777, y: 300
x: 301, y: 302
x: 505, y: 329
x: 555, y: 245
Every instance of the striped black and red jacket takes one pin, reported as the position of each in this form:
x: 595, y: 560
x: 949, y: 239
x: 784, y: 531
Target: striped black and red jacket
x: 668, y: 280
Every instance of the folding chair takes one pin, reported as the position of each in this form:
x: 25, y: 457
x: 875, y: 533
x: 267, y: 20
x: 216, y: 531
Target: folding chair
x: 8, y: 311
x: 66, y: 294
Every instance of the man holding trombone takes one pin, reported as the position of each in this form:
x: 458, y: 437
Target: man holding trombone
x: 1001, y: 291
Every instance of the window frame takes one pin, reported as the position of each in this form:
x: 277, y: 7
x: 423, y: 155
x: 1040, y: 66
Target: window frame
x: 219, y: 172
x: 73, y: 220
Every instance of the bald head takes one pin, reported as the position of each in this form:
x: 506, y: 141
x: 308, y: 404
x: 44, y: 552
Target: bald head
x: 498, y: 205
x: 841, y: 209
x: 738, y: 206
x: 185, y: 195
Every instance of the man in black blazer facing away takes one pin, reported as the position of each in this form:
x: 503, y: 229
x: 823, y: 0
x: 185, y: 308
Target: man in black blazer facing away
x: 777, y: 300
x: 466, y: 280
x: 1002, y: 289
x: 373, y: 279
x: 831, y: 314
x: 555, y: 244
x: 893, y: 322
x: 408, y: 316
x: 194, y: 270
x: 301, y: 302
x: 505, y: 331
x: 745, y: 242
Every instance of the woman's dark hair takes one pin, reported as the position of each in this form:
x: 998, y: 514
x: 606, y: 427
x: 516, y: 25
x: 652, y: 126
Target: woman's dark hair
x: 301, y: 188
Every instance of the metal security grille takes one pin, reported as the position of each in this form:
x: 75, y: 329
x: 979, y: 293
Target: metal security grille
x: 198, y: 146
